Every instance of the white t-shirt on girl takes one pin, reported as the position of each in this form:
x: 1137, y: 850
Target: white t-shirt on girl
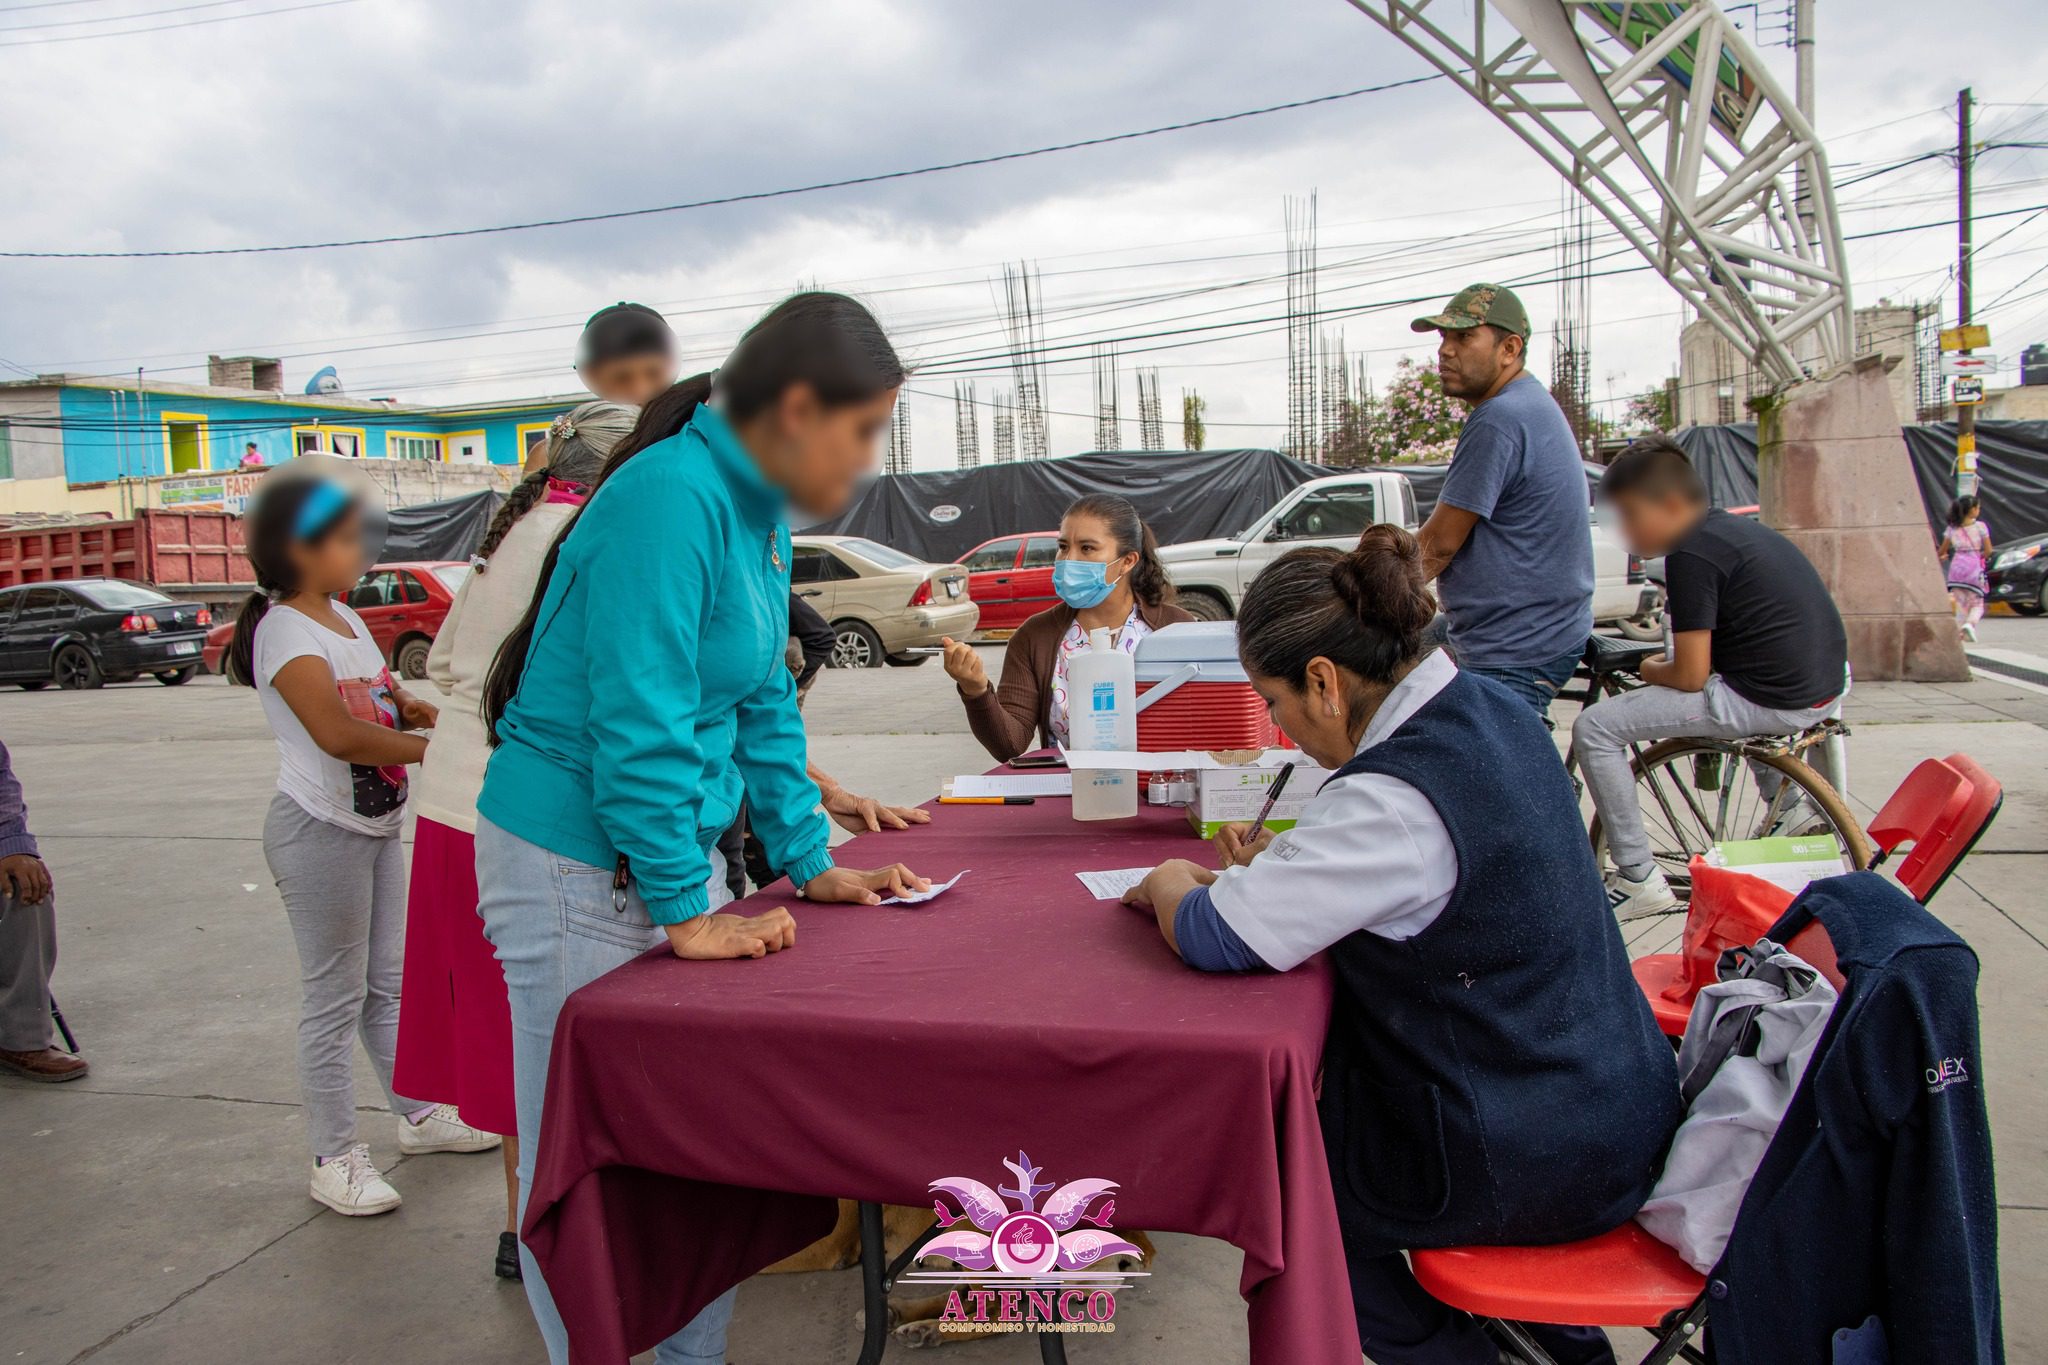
x: 355, y: 796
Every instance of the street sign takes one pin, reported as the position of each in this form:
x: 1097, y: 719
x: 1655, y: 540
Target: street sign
x: 1966, y: 452
x: 1966, y: 390
x: 1965, y: 338
x: 1971, y: 362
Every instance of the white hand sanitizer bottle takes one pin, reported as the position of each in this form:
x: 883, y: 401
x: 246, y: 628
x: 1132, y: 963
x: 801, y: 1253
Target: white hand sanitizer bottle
x: 1102, y: 713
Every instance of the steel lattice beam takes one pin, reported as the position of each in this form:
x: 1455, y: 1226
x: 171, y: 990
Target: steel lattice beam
x: 1701, y: 187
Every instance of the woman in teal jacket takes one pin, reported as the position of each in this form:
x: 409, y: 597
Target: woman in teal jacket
x: 645, y: 694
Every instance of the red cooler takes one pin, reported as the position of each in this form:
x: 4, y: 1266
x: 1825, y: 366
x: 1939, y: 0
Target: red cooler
x: 1194, y: 694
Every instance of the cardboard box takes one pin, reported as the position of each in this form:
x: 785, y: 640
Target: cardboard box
x: 1790, y: 863
x: 1229, y: 784
x: 1226, y: 794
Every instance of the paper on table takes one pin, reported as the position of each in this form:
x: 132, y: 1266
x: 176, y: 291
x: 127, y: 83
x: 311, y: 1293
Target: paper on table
x: 920, y: 897
x: 1111, y: 885
x: 1012, y: 784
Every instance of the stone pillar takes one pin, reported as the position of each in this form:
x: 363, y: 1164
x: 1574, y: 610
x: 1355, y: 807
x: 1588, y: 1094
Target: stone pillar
x: 1833, y: 475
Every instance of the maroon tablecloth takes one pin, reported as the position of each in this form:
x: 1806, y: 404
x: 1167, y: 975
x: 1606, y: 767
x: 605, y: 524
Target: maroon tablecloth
x: 702, y: 1116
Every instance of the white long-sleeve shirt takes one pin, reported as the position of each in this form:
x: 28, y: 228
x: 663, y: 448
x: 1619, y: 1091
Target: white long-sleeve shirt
x: 1369, y: 853
x: 487, y: 607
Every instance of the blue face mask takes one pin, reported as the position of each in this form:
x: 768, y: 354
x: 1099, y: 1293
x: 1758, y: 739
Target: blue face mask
x: 1081, y: 583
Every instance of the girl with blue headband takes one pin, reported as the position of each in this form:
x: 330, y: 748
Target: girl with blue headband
x: 346, y: 732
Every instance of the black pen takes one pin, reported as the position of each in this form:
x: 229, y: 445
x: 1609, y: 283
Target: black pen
x: 1272, y: 795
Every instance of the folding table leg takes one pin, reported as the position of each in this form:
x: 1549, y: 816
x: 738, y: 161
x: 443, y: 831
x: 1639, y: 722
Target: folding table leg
x: 1052, y: 1348
x: 874, y: 1289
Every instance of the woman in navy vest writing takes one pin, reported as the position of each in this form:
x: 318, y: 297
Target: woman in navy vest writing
x: 1492, y: 1074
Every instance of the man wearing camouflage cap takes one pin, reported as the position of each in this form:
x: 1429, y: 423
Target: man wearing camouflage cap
x: 1509, y: 542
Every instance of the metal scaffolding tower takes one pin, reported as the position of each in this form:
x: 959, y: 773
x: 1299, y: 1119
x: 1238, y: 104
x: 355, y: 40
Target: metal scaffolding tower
x: 898, y: 461
x: 1304, y: 415
x: 1108, y: 429
x: 1151, y: 420
x: 1025, y: 328
x: 966, y: 426
x: 1671, y: 126
x: 1004, y: 429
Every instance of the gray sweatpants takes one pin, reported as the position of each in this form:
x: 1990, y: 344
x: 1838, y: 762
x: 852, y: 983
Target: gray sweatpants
x: 28, y: 954
x: 1602, y: 734
x: 344, y: 893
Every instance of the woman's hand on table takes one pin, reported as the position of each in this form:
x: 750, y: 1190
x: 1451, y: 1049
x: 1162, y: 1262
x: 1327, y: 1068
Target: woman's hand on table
x: 963, y: 666
x: 1165, y: 884
x: 854, y: 886
x: 1235, y: 846
x: 713, y: 937
x: 865, y: 815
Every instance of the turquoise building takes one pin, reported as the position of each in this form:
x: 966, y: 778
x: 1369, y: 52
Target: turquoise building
x: 98, y: 429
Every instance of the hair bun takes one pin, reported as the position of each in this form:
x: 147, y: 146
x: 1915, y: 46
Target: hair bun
x: 1381, y: 581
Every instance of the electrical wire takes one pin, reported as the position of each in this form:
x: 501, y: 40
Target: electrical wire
x: 751, y: 196
x: 163, y: 28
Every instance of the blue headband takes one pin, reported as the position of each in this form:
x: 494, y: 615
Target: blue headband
x: 321, y: 509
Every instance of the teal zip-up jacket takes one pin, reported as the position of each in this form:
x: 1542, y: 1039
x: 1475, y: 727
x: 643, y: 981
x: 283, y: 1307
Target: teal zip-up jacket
x: 655, y: 690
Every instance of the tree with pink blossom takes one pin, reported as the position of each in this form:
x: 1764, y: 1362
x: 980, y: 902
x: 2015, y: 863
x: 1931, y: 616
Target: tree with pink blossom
x: 1411, y: 421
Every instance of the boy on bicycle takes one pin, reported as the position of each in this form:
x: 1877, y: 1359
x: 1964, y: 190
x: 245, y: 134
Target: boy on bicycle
x: 1756, y: 648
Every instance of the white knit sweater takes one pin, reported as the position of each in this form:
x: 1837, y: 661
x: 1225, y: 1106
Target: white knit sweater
x: 487, y: 607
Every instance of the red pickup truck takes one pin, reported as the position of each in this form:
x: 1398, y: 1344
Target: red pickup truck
x: 403, y: 604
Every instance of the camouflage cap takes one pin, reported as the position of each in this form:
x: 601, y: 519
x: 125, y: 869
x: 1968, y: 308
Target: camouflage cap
x: 1475, y: 304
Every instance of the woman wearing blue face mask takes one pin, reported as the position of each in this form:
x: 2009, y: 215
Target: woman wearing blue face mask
x: 1108, y: 577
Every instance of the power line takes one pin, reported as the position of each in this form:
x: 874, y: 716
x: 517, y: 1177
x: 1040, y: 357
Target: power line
x: 748, y: 197
x: 160, y: 28
x: 120, y: 18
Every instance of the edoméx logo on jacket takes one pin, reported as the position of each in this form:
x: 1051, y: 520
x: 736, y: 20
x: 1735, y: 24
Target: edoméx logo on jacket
x: 1026, y: 1266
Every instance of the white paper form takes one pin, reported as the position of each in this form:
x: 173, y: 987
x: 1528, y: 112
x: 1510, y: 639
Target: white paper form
x: 1012, y: 784
x: 920, y: 897
x: 1111, y: 885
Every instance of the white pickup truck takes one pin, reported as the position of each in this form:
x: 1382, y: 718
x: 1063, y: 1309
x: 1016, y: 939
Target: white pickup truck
x: 1213, y: 574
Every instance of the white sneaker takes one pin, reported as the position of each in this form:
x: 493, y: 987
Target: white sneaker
x: 1632, y: 899
x: 443, y: 1131
x: 351, y: 1184
x: 1970, y: 633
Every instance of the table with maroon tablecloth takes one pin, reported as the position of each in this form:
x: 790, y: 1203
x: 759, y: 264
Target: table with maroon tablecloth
x: 702, y: 1116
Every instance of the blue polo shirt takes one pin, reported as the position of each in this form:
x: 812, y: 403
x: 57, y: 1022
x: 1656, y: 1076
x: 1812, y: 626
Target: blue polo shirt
x: 1519, y: 593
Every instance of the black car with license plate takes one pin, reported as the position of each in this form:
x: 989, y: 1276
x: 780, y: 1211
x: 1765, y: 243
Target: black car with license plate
x: 2019, y: 575
x: 82, y: 632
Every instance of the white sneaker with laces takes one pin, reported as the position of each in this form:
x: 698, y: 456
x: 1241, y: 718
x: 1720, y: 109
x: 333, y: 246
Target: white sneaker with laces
x: 443, y: 1131
x: 351, y: 1184
x: 1631, y: 899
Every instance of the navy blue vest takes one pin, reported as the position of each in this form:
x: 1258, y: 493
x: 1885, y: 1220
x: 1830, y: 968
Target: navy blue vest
x: 1498, y: 1077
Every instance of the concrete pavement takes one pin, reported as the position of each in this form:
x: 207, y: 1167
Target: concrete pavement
x: 156, y: 1212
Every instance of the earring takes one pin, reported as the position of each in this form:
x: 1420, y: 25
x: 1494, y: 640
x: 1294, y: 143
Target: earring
x: 1330, y: 707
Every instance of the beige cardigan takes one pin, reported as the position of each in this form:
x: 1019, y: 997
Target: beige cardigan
x: 487, y: 609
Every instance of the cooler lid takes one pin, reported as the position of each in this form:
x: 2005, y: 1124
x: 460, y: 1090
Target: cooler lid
x: 1211, y: 645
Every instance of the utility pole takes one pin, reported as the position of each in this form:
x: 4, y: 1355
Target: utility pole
x: 1966, y: 414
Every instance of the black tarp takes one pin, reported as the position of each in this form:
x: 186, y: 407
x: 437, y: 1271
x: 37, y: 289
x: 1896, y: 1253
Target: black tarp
x: 1428, y: 481
x: 2012, y: 470
x: 1181, y: 495
x: 449, y: 529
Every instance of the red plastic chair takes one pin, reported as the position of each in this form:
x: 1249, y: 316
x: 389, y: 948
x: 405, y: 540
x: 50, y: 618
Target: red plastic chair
x: 1623, y: 1278
x: 1941, y: 809
x: 1728, y: 908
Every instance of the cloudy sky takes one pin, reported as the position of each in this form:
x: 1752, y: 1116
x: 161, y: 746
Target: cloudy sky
x: 374, y: 117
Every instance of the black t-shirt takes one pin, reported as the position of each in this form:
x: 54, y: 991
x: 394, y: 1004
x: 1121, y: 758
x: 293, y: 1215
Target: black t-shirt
x: 1778, y: 639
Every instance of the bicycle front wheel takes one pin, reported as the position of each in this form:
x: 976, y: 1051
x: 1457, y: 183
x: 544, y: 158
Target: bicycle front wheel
x: 1696, y: 793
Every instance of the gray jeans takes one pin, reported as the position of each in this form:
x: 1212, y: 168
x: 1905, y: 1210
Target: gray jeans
x: 1601, y: 737
x: 344, y: 893
x: 28, y: 954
